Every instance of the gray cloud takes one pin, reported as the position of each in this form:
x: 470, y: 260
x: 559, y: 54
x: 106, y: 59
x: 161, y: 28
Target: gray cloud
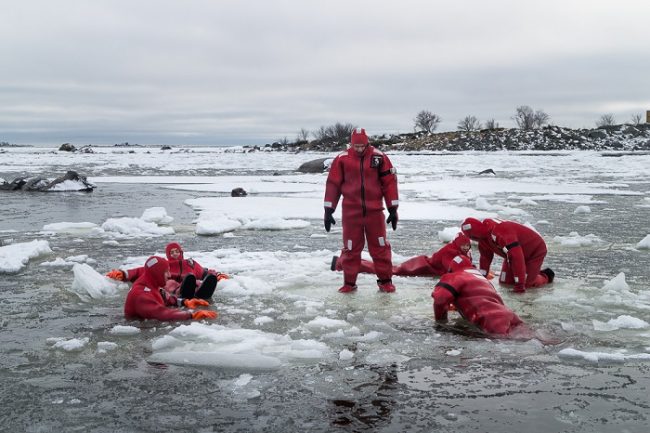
x: 232, y: 72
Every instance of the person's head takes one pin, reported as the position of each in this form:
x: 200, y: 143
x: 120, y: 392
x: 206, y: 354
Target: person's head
x: 463, y: 242
x: 174, y: 251
x: 157, y: 271
x: 460, y: 263
x: 474, y: 228
x: 359, y: 140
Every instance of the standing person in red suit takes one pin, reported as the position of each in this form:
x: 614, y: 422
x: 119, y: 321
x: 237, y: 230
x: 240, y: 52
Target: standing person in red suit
x: 522, y: 249
x: 421, y: 266
x: 366, y: 179
x: 474, y: 297
x: 147, y: 298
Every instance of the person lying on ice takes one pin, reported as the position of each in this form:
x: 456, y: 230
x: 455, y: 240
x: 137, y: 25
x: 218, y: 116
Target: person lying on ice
x: 188, y: 278
x: 148, y: 299
x: 365, y: 177
x: 521, y: 247
x: 476, y: 300
x: 421, y: 266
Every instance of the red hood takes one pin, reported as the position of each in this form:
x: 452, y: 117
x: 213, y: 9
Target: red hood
x: 460, y: 263
x: 170, y: 247
x: 461, y: 239
x: 474, y: 228
x: 154, y: 271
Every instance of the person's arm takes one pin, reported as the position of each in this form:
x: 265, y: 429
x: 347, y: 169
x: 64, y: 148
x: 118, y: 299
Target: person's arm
x: 485, y: 260
x: 441, y: 300
x: 148, y: 308
x: 388, y: 179
x: 332, y: 192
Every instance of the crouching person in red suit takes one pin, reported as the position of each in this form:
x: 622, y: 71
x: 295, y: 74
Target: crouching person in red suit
x: 522, y: 249
x: 366, y: 179
x: 421, y: 266
x: 474, y: 297
x: 148, y: 299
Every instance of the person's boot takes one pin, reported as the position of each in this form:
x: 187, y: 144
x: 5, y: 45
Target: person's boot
x: 333, y: 264
x: 549, y: 274
x: 207, y: 287
x: 386, y: 286
x: 188, y: 286
x: 348, y: 287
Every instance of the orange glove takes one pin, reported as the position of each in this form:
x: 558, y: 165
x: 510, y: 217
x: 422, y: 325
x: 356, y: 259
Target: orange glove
x: 222, y: 276
x: 204, y: 314
x: 116, y: 274
x: 195, y: 302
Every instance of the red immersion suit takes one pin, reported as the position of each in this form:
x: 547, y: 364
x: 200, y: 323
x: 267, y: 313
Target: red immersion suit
x: 365, y: 181
x: 145, y: 299
x: 522, y: 248
x: 474, y: 298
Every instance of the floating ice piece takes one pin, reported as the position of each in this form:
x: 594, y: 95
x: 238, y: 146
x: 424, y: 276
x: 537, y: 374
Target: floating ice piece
x: 218, y: 359
x: 156, y: 215
x: 621, y: 322
x: 134, y: 228
x: 71, y: 345
x: 596, y: 357
x: 124, y: 330
x: 575, y: 240
x: 14, y: 257
x: 90, y: 283
x: 582, y: 209
x: 644, y: 244
x: 448, y: 234
x: 617, y: 284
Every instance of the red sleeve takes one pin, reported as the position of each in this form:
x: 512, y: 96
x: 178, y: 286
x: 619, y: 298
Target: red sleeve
x: 148, y: 307
x: 389, y: 183
x: 134, y: 274
x: 333, y: 185
x: 441, y: 300
x: 515, y: 254
x: 486, y: 258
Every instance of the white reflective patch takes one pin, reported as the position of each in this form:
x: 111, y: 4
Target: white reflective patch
x: 466, y: 227
x: 457, y: 259
x: 382, y: 242
x: 505, y: 250
x: 152, y: 262
x: 350, y: 244
x: 393, y: 170
x: 394, y: 203
x: 327, y: 204
x: 494, y: 238
x: 502, y: 278
x: 516, y: 279
x: 147, y: 289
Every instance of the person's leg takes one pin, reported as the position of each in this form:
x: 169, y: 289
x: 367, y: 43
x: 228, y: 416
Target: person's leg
x: 534, y: 275
x: 415, y: 267
x: 207, y: 288
x: 379, y: 249
x: 353, y: 243
x: 506, y: 276
x: 188, y: 286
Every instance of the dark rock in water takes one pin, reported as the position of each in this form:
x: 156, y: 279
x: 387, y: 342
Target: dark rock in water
x: 67, y: 147
x: 238, y: 192
x: 71, y: 181
x: 488, y: 171
x: 314, y: 166
x: 166, y: 148
x: 87, y: 149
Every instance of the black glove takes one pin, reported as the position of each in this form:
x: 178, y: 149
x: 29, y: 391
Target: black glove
x: 329, y: 219
x: 392, y: 218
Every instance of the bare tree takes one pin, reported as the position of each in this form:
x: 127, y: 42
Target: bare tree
x: 605, y: 120
x: 339, y: 133
x: 636, y: 119
x: 426, y: 121
x: 469, y: 123
x: 303, y: 135
x: 491, y: 124
x: 526, y: 118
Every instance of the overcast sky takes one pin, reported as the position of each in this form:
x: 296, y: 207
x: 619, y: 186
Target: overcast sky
x: 237, y: 72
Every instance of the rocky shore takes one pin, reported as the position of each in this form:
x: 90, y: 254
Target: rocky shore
x: 616, y: 137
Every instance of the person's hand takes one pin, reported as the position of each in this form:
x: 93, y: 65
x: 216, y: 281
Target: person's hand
x: 329, y: 219
x: 204, y: 314
x: 195, y: 302
x: 392, y: 217
x: 222, y: 276
x: 116, y: 274
x: 489, y: 275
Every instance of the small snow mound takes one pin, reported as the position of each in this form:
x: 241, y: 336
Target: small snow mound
x: 124, y: 330
x: 71, y: 345
x: 448, y: 234
x: 582, y: 209
x: 644, y: 244
x: 156, y: 215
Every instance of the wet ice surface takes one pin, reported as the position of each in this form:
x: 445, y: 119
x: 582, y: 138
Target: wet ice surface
x: 74, y: 365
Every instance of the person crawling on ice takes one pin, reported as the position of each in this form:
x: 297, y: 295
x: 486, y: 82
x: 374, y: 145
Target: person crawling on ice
x: 148, y: 299
x: 522, y: 248
x: 421, y: 266
x: 476, y: 300
x: 188, y: 278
